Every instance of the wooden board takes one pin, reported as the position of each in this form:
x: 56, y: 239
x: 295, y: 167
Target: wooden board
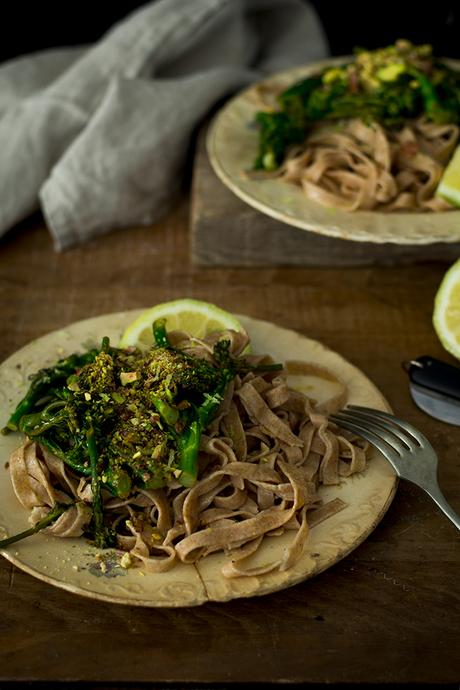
x: 227, y: 232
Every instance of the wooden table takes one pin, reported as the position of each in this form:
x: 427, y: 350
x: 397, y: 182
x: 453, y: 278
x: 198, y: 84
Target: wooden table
x: 388, y: 613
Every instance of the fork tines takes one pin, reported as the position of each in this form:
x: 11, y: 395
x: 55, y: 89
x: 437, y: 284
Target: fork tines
x: 383, y: 430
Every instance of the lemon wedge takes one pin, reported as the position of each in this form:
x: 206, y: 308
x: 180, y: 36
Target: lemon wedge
x: 446, y: 314
x: 190, y: 315
x: 449, y: 186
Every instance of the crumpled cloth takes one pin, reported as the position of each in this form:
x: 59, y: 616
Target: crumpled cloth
x: 97, y: 136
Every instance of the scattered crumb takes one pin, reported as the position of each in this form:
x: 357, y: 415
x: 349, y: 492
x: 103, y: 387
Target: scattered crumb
x: 126, y: 561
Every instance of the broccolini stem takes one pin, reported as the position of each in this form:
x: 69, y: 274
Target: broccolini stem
x: 38, y: 422
x: 160, y: 335
x: 57, y: 510
x: 167, y: 412
x: 22, y: 408
x: 189, y: 444
x: 70, y: 458
x: 433, y: 106
x: 105, y: 346
x: 99, y: 529
x: 43, y: 382
x: 189, y: 441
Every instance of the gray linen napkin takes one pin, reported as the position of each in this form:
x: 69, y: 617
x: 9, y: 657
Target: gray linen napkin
x: 97, y: 136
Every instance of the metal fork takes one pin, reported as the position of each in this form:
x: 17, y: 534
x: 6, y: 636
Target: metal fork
x: 409, y: 452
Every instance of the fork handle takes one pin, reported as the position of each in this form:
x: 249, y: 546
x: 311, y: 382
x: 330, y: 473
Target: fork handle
x: 438, y: 498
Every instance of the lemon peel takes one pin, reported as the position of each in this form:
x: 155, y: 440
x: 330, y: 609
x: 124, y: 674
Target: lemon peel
x: 449, y: 185
x: 195, y: 317
x: 446, y: 313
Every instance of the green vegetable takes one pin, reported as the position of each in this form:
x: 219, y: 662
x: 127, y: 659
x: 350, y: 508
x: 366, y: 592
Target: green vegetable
x: 277, y: 133
x: 43, y: 384
x: 57, y: 510
x: 159, y: 333
x: 390, y: 86
x: 167, y: 412
x: 202, y: 416
x: 433, y: 108
x: 101, y: 537
x: 128, y: 419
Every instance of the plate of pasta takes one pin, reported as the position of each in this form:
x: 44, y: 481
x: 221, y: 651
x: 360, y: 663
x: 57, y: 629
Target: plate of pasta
x: 353, y: 147
x: 222, y: 478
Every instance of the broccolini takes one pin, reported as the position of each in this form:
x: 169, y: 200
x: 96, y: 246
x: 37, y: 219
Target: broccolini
x: 125, y: 418
x: 390, y: 86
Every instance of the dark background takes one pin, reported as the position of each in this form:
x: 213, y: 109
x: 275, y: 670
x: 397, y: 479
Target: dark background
x: 29, y: 26
x: 374, y: 24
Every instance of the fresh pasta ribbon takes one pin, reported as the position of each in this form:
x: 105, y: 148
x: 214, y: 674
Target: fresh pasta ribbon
x: 262, y: 460
x: 355, y: 166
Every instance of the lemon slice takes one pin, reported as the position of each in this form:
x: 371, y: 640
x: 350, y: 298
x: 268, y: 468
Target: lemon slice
x: 446, y: 314
x: 449, y: 186
x: 190, y: 315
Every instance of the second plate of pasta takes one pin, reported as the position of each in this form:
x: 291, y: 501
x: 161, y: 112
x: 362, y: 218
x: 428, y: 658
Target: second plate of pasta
x: 232, y: 146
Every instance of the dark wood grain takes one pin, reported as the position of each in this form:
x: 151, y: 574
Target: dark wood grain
x: 225, y: 231
x: 389, y: 612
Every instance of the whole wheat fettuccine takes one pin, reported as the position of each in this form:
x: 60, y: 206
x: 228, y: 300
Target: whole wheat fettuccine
x: 262, y: 461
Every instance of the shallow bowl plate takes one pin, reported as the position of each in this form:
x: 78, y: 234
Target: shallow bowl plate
x: 75, y: 565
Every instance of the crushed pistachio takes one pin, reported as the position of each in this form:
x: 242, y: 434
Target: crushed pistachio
x: 126, y: 560
x: 128, y: 377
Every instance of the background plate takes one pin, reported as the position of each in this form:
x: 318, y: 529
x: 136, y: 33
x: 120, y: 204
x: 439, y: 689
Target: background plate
x: 232, y: 144
x: 73, y: 564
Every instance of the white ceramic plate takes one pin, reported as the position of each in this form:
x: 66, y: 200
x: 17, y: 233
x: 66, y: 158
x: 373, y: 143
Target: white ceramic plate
x: 232, y: 144
x: 72, y: 564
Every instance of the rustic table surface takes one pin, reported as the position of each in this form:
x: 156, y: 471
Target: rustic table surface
x: 387, y: 613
